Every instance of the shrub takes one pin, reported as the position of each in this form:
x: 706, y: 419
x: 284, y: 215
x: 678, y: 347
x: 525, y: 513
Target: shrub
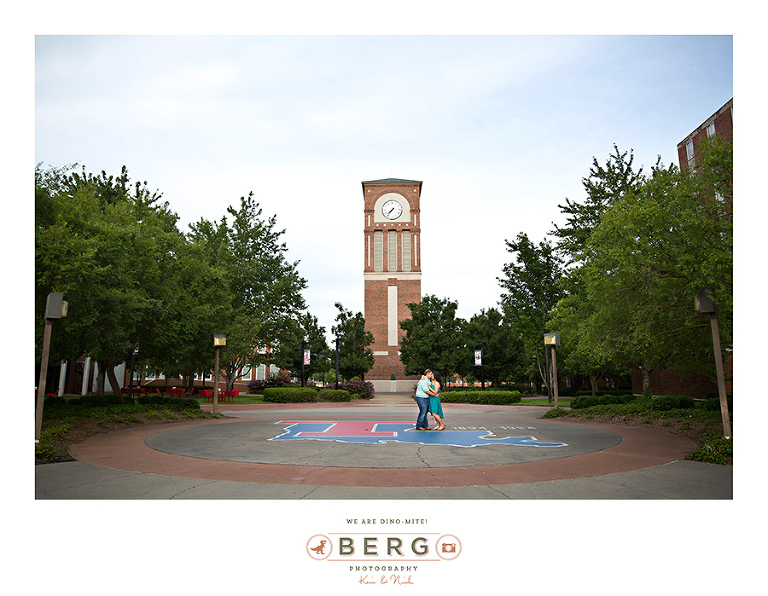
x: 519, y: 388
x: 715, y: 449
x: 279, y: 380
x: 54, y: 400
x: 161, y: 400
x: 333, y: 395
x: 586, y: 401
x: 358, y: 389
x: 555, y: 413
x: 601, y: 392
x: 711, y: 403
x: 673, y: 402
x: 482, y: 397
x: 108, y: 399
x: 282, y: 395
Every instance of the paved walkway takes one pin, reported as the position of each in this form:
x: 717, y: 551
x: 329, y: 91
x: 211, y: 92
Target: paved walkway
x: 368, y: 450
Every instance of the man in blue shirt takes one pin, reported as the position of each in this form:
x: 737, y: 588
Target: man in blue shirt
x: 422, y: 400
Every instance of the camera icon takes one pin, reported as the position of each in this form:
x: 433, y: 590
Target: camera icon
x: 448, y: 547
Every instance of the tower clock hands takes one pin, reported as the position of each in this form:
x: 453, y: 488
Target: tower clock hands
x: 392, y: 209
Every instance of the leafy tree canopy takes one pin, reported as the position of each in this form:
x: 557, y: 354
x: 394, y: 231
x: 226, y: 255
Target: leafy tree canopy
x: 355, y: 355
x: 434, y: 338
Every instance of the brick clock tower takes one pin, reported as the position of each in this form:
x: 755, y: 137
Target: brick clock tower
x: 392, y: 274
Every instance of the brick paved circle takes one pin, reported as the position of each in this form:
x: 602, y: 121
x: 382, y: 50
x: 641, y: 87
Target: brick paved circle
x: 238, y: 450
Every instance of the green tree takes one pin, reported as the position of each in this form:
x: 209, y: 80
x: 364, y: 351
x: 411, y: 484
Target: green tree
x: 647, y: 259
x: 533, y: 284
x: 504, y: 355
x: 193, y: 304
x: 603, y: 187
x: 99, y: 242
x: 264, y: 288
x: 435, y: 338
x: 355, y: 354
x: 581, y: 353
x: 288, y: 355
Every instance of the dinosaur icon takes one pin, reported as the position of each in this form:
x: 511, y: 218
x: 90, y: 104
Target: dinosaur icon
x: 319, y: 549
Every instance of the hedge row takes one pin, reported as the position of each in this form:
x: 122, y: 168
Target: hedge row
x: 482, y: 397
x: 602, y: 392
x: 284, y: 395
x: 333, y: 395
x: 586, y: 401
x: 673, y: 402
x: 661, y: 402
x: 713, y: 403
x: 519, y: 388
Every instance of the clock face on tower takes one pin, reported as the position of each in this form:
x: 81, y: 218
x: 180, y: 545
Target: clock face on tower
x: 392, y: 209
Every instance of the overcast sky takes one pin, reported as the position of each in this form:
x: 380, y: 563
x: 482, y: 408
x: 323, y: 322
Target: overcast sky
x: 500, y: 129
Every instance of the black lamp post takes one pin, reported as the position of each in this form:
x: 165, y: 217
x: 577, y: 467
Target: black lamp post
x: 321, y: 359
x: 480, y: 362
x: 304, y: 359
x: 704, y: 304
x: 338, y: 339
x: 133, y: 363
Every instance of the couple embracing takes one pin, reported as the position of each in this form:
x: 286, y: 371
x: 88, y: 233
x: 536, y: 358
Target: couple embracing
x: 428, y: 400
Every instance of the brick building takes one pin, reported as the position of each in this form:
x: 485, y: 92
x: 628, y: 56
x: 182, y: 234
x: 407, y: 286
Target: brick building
x: 391, y: 273
x: 719, y: 124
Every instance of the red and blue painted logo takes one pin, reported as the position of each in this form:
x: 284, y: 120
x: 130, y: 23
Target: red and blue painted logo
x: 401, y: 432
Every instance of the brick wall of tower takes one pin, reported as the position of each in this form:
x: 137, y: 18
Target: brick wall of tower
x: 376, y: 309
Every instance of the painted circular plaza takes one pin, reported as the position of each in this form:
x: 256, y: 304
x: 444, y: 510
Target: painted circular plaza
x: 375, y: 444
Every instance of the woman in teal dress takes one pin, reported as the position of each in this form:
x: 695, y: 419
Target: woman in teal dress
x: 435, y: 407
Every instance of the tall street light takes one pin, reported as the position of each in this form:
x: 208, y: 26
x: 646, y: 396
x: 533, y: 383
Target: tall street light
x: 55, y: 308
x: 304, y: 359
x: 704, y: 304
x: 219, y: 341
x: 553, y: 339
x: 479, y: 362
x: 133, y: 362
x: 547, y: 380
x: 338, y: 339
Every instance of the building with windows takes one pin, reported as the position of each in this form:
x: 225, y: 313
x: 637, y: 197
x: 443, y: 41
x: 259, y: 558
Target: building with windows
x: 79, y: 377
x: 719, y: 124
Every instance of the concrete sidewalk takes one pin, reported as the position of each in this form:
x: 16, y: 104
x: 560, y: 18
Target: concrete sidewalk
x: 239, y: 458
x: 677, y: 480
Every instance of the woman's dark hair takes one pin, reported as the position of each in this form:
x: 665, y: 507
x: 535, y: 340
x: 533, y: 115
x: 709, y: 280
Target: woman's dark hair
x: 438, y: 378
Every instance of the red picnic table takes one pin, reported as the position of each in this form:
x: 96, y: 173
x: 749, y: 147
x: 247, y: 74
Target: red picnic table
x: 223, y: 395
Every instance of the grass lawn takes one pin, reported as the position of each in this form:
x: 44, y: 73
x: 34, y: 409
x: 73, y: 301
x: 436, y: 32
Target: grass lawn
x: 240, y: 399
